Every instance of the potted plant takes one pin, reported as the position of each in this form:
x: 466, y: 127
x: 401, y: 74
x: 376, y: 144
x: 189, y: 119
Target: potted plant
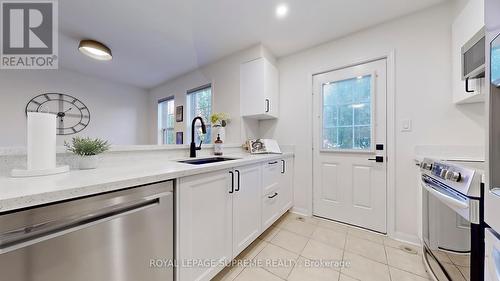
x: 219, y: 122
x: 87, y: 150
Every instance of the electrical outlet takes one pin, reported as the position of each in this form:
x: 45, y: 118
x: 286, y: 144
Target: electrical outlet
x: 406, y: 125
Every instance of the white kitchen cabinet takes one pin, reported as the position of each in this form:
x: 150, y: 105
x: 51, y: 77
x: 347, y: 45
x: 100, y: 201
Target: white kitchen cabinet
x: 259, y: 89
x: 205, y: 224
x: 246, y: 206
x: 468, y: 22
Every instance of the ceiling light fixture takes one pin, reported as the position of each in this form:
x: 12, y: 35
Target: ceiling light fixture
x: 95, y: 50
x: 281, y: 10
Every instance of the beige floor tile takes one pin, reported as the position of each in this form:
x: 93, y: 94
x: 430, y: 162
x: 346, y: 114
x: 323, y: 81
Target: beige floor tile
x: 330, y: 237
x: 367, y: 235
x: 465, y: 272
x: 290, y: 241
x: 405, y: 261
x: 366, y: 248
x: 301, y: 218
x: 269, y: 234
x: 441, y: 256
x: 229, y: 273
x: 333, y: 225
x: 400, y: 275
x: 399, y: 244
x: 344, y: 277
x: 308, y: 270
x: 256, y: 274
x: 461, y: 260
x: 454, y: 272
x: 315, y: 250
x: 252, y: 250
x: 277, y: 260
x: 299, y: 227
x: 365, y: 269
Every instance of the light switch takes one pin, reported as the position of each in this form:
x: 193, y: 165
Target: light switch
x: 406, y: 125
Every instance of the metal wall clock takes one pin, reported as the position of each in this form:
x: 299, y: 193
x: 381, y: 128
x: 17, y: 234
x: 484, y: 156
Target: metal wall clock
x: 72, y: 115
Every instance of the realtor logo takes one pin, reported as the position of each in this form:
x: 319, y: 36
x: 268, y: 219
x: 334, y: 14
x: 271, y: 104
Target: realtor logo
x: 29, y: 35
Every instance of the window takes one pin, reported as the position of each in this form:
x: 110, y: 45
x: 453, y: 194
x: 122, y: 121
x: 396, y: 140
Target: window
x: 166, y: 121
x: 199, y: 103
x: 347, y: 114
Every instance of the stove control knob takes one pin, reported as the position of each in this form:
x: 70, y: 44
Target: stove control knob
x: 443, y: 173
x: 426, y: 166
x: 453, y: 176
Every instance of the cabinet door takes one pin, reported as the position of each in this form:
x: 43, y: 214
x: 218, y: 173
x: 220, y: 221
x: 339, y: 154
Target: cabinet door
x: 246, y: 206
x: 286, y: 185
x: 205, y: 224
x: 271, y: 176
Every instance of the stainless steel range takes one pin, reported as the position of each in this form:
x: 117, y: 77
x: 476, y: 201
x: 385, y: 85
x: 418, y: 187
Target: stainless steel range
x: 452, y: 220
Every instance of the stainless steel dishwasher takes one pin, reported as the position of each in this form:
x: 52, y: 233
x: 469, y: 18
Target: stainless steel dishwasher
x: 125, y: 235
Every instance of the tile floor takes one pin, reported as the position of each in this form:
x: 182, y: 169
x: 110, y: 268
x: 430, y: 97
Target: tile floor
x: 311, y: 249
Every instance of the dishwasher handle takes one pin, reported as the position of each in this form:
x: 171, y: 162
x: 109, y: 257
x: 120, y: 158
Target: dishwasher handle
x: 27, y: 236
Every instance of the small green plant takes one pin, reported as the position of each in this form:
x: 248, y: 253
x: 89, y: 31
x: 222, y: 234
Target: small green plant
x: 87, y: 146
x: 219, y: 119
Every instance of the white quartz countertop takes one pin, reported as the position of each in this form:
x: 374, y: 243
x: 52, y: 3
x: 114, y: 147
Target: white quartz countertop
x: 18, y: 193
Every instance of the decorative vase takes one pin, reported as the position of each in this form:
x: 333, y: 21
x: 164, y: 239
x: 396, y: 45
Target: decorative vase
x: 88, y: 162
x: 221, y: 131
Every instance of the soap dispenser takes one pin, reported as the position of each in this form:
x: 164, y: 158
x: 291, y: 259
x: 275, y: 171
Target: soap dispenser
x: 218, y: 146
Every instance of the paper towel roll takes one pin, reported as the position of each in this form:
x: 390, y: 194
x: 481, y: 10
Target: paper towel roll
x: 41, y: 141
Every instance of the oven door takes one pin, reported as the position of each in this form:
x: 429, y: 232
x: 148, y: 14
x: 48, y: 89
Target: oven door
x: 446, y: 233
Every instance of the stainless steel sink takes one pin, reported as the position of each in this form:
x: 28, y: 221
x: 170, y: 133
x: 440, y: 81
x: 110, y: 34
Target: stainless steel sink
x: 202, y: 161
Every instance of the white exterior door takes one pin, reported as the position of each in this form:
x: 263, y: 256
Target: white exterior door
x: 349, y: 134
x: 246, y: 206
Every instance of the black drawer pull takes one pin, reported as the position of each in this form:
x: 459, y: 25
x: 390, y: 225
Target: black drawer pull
x: 272, y: 163
x: 272, y: 196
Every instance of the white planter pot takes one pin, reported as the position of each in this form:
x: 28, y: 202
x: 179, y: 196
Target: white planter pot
x: 88, y: 162
x: 221, y: 131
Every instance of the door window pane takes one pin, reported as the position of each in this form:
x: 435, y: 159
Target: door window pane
x: 347, y: 114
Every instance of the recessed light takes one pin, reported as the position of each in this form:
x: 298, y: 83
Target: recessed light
x: 95, y: 50
x: 281, y: 10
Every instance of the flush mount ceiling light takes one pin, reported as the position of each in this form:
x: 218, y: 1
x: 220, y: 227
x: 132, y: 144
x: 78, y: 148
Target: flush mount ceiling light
x: 281, y: 11
x: 95, y: 50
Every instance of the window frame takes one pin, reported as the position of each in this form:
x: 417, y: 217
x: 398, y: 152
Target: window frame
x: 189, y: 111
x: 163, y: 139
x: 372, y: 149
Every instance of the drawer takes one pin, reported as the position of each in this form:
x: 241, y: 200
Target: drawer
x: 271, y: 172
x: 271, y: 208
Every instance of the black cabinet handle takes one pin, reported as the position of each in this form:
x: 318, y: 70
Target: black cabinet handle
x: 238, y: 188
x: 467, y: 86
x: 283, y: 166
x: 267, y: 105
x: 272, y: 163
x: 272, y: 196
x: 378, y: 159
x: 232, y: 182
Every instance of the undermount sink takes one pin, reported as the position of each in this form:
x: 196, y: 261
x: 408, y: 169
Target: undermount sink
x: 202, y: 161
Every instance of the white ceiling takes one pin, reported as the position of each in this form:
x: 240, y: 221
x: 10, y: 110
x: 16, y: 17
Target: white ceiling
x: 156, y: 40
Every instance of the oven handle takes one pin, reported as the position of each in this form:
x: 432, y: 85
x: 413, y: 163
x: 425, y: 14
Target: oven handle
x: 443, y: 197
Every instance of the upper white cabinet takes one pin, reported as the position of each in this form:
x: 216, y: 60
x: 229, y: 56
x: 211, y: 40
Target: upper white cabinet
x: 468, y: 22
x: 259, y: 89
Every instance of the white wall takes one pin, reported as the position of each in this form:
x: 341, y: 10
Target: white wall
x: 224, y: 75
x: 118, y: 111
x: 422, y: 46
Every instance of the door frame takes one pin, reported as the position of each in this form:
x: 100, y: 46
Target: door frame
x: 390, y: 131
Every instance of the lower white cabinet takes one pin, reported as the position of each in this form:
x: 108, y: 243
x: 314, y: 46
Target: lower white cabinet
x: 223, y: 212
x: 246, y: 206
x: 205, y: 224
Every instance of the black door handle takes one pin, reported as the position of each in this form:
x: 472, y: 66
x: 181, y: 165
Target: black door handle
x: 283, y: 166
x: 467, y: 86
x: 232, y: 182
x: 267, y: 105
x: 238, y: 188
x: 378, y: 159
x: 272, y: 196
